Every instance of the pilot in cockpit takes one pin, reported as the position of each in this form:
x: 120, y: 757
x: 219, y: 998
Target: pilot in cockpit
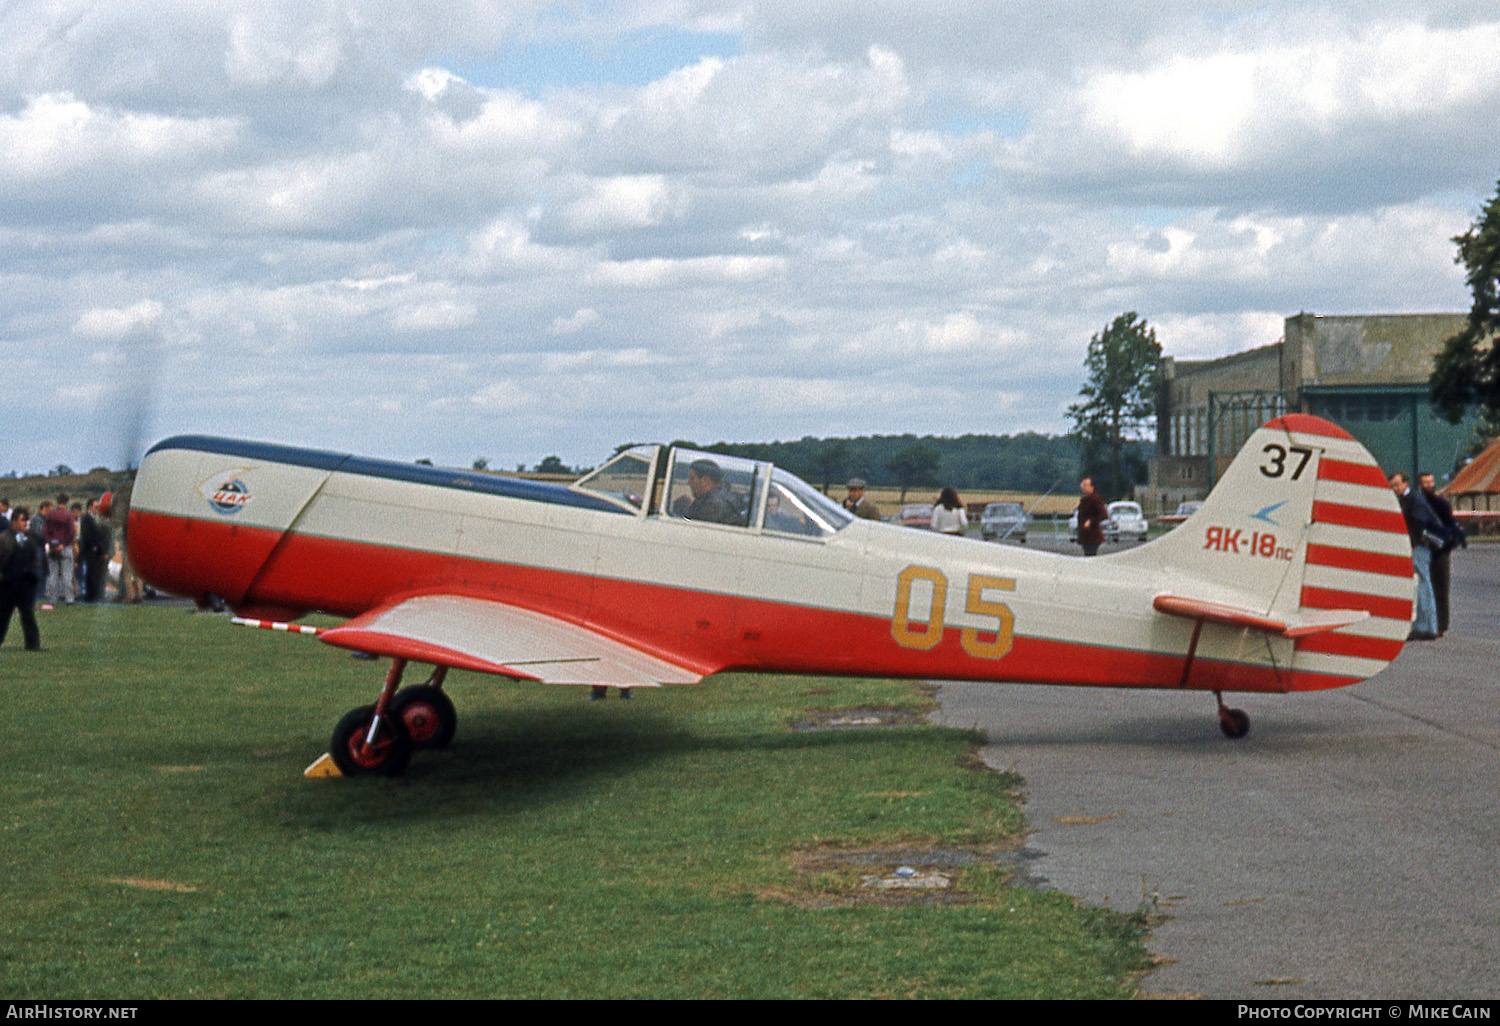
x: 710, y: 499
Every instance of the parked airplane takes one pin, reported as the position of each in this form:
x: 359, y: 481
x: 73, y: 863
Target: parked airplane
x: 666, y: 565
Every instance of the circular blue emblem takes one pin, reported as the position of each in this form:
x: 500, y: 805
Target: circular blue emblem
x: 230, y: 497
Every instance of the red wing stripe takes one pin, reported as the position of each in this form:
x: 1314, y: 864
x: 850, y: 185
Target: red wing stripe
x: 1384, y: 649
x: 1375, y: 605
x: 1359, y: 559
x: 1352, y: 473
x: 1389, y: 521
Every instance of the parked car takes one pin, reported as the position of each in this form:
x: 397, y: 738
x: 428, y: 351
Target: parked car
x: 917, y: 514
x: 1184, y: 510
x: 1125, y: 521
x: 1004, y: 520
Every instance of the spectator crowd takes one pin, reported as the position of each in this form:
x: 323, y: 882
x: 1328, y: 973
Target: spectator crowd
x: 59, y: 555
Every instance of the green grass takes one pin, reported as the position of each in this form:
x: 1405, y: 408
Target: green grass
x: 657, y: 848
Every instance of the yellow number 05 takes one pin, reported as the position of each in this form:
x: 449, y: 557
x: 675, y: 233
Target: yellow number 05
x: 928, y: 638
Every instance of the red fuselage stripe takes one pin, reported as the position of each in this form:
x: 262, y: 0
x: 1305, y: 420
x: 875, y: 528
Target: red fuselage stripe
x: 703, y: 630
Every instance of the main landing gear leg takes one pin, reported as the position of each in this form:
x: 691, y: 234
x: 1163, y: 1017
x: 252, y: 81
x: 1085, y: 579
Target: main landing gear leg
x: 373, y: 740
x: 1233, y: 722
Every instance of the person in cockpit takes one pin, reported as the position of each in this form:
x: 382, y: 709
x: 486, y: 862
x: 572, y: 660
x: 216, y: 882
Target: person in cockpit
x: 711, y: 501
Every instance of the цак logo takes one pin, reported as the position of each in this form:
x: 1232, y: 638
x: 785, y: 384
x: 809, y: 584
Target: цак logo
x: 225, y: 492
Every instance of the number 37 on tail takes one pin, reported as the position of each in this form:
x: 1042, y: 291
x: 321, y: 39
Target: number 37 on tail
x: 667, y: 565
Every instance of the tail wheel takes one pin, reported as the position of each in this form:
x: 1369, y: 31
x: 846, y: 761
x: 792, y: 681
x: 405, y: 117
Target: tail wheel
x: 428, y: 715
x: 387, y: 755
x: 1234, y: 722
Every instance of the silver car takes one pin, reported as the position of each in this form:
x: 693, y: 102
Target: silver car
x: 1004, y: 520
x: 1125, y: 521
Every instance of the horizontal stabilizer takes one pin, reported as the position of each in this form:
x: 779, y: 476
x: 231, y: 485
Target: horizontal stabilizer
x: 1296, y: 625
x: 492, y: 637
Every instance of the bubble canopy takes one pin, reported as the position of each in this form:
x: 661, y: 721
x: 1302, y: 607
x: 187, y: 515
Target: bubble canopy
x: 714, y: 489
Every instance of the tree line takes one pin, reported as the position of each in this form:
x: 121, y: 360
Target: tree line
x: 1027, y: 462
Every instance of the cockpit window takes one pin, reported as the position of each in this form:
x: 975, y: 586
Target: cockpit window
x: 795, y: 507
x: 713, y: 488
x: 624, y: 480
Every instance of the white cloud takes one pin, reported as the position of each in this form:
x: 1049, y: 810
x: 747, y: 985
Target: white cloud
x: 263, y: 51
x: 581, y: 319
x: 443, y: 315
x: 621, y: 203
x: 659, y: 272
x: 1234, y: 106
x: 119, y: 323
x: 57, y: 135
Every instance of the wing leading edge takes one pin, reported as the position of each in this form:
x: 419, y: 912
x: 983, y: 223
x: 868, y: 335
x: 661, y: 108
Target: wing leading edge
x: 492, y: 637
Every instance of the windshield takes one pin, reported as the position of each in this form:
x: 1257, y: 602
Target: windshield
x: 624, y: 480
x: 795, y: 507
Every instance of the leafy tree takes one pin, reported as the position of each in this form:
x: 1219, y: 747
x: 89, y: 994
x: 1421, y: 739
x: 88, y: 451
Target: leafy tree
x: 1467, y: 371
x: 915, y: 465
x: 552, y: 465
x: 1119, y: 401
x: 832, y: 460
x: 482, y: 463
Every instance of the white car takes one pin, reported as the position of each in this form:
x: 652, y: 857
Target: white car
x: 1125, y: 521
x: 1004, y: 520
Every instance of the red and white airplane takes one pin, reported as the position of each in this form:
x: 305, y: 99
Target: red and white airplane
x: 666, y: 565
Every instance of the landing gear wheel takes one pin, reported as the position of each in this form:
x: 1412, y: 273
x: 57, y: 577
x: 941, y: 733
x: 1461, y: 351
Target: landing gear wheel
x: 1234, y: 722
x: 429, y: 716
x: 387, y: 756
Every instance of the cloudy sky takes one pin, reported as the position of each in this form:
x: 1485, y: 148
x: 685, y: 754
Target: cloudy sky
x: 524, y: 228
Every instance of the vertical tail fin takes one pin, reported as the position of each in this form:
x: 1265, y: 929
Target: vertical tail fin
x: 1302, y: 526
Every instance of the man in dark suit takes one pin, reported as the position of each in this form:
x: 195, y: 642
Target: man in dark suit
x: 18, y: 577
x: 93, y: 551
x: 1422, y: 528
x: 1440, y: 567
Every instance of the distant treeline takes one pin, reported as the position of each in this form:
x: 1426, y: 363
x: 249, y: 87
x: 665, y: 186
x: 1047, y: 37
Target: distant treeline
x: 1025, y: 463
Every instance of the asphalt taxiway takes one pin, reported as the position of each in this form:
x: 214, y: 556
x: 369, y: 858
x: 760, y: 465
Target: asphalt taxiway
x: 1349, y: 847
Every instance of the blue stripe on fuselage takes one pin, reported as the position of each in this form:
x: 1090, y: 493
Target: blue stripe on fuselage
x: 416, y: 473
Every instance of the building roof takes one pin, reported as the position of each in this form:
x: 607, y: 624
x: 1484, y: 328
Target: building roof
x: 1482, y: 474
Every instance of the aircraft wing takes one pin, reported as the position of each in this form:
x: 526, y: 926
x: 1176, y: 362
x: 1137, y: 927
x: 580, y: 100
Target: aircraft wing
x: 1297, y: 625
x: 492, y: 637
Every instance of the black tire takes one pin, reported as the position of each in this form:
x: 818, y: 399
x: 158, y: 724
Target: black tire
x: 428, y: 715
x: 387, y: 757
x: 1234, y: 723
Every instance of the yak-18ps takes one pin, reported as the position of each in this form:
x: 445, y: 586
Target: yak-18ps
x: 666, y: 565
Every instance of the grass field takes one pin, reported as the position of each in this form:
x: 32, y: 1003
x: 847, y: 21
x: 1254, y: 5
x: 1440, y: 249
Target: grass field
x: 158, y: 839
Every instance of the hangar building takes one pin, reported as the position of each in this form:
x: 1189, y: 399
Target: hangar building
x: 1368, y: 374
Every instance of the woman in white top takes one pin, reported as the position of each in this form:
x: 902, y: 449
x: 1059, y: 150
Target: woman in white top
x: 948, y: 516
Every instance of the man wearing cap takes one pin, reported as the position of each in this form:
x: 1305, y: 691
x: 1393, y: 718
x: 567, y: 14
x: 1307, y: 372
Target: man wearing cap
x: 859, y: 503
